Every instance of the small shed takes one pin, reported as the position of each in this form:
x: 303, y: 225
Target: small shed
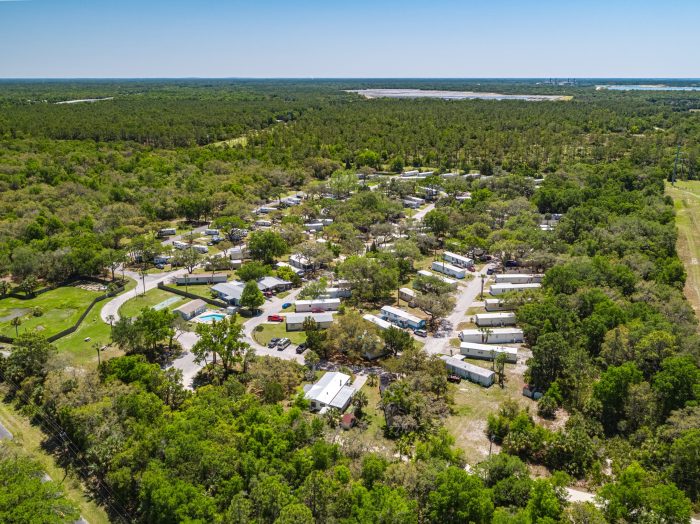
x: 191, y: 309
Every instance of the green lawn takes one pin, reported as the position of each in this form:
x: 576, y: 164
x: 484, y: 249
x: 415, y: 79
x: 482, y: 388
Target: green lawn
x: 60, y: 309
x: 133, y: 307
x: 199, y: 290
x: 278, y: 330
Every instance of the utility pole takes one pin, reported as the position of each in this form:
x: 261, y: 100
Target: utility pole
x: 97, y: 348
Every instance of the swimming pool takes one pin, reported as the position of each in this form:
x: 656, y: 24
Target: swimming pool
x: 209, y: 317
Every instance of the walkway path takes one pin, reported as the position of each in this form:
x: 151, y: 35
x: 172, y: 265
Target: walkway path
x: 420, y: 215
x: 151, y: 281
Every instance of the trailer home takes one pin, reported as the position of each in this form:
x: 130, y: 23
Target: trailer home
x: 381, y: 324
x: 211, y: 232
x: 493, y: 336
x: 337, y: 292
x: 202, y: 250
x: 402, y: 318
x: 470, y: 372
x: 201, y: 278
x: 446, y: 280
x: 167, y: 232
x: 178, y: 244
x: 518, y: 278
x: 324, y: 304
x: 295, y: 321
x: 457, y: 260
x: 499, y: 289
x: 495, y: 319
x: 408, y: 295
x: 263, y: 223
x: 449, y: 269
x: 495, y: 304
x: 488, y: 351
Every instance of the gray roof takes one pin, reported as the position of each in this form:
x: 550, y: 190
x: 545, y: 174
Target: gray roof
x: 270, y: 282
x: 467, y: 367
x: 192, y: 306
x: 342, y: 398
x: 298, y: 318
x: 230, y: 290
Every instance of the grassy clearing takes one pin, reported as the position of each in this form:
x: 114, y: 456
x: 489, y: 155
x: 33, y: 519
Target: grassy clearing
x: 60, y: 309
x: 686, y: 196
x: 29, y: 438
x: 472, y: 406
x: 203, y: 291
x: 277, y: 330
x: 153, y: 297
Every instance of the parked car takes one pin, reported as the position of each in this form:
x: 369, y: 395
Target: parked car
x: 301, y: 348
x: 512, y: 263
x: 273, y: 342
x: 160, y: 266
x: 275, y: 318
x: 491, y: 270
x: 420, y: 333
x: 283, y: 344
x: 471, y: 268
x: 268, y: 294
x: 454, y: 378
x: 286, y: 305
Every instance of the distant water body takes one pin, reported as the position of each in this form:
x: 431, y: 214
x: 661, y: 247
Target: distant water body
x: 641, y: 87
x: 450, y: 95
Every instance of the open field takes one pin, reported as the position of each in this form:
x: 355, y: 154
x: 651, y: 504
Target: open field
x: 60, y: 309
x: 152, y: 298
x: 28, y: 439
x: 686, y: 197
x: 278, y: 330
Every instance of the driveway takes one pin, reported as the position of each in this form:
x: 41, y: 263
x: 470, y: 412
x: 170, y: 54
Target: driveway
x: 5, y: 433
x: 270, y: 307
x: 420, y: 215
x: 186, y: 362
x: 466, y: 294
x: 151, y: 281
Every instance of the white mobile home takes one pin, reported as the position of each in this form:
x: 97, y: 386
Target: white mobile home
x: 337, y: 292
x: 211, y: 232
x: 314, y: 226
x: 488, y: 351
x: 382, y: 324
x: 449, y: 269
x: 325, y: 304
x: 263, y: 223
x: 295, y: 269
x: 299, y: 261
x: 518, y: 278
x: 167, y: 232
x: 407, y: 295
x: 499, y: 289
x: 264, y: 210
x: 495, y: 304
x: 201, y: 278
x: 481, y: 376
x: 295, y: 321
x: 446, y: 280
x: 178, y: 244
x: 332, y: 390
x: 494, y: 336
x: 413, y: 172
x: 410, y: 204
x: 229, y: 292
x: 457, y: 260
x: 495, y: 319
x: 202, y: 250
x: 401, y: 318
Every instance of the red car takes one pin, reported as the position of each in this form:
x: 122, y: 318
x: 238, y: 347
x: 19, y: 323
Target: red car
x: 317, y: 310
x: 275, y: 318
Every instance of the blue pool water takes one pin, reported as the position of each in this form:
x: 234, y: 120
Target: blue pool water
x: 211, y: 317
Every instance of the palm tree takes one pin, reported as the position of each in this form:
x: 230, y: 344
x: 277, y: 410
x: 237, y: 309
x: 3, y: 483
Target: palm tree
x: 17, y: 322
x: 359, y: 401
x: 332, y: 417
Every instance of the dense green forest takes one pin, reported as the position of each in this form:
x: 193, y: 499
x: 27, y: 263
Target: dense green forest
x: 614, y: 342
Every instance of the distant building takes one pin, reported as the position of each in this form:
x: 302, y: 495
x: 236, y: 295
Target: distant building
x: 331, y: 391
x: 191, y: 309
x: 299, y: 261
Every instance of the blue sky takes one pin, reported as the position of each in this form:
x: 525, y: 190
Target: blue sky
x: 357, y: 38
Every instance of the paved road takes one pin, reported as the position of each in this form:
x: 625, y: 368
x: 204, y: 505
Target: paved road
x: 420, y: 215
x: 5, y: 433
x: 152, y: 280
x: 466, y: 295
x: 186, y: 362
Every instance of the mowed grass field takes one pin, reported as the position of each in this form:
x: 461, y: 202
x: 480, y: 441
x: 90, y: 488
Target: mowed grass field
x: 686, y: 199
x: 60, y: 309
